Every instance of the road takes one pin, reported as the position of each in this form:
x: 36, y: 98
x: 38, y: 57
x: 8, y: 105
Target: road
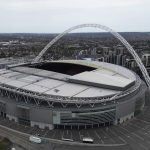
x: 22, y: 142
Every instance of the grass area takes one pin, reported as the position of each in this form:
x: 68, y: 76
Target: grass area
x: 4, y: 144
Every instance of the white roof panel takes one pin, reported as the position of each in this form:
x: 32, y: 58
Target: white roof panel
x: 4, y: 71
x: 35, y: 88
x: 4, y: 80
x: 49, y: 83
x: 31, y: 79
x: 26, y: 70
x: 105, y: 71
x: 101, y: 80
x: 16, y: 83
x: 60, y: 76
x: 52, y: 74
x: 46, y: 73
x: 10, y: 74
x: 68, y: 89
x: 94, y: 92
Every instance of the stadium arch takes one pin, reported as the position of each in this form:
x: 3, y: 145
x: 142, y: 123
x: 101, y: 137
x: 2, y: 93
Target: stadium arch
x: 102, y: 27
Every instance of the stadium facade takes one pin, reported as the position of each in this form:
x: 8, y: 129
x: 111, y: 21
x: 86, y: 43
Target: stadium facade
x: 70, y: 93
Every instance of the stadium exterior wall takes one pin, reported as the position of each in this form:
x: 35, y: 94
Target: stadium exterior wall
x: 44, y: 117
x: 129, y: 108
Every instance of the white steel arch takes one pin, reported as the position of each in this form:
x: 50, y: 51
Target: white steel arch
x: 117, y: 35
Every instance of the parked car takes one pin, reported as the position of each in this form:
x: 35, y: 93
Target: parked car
x: 35, y: 139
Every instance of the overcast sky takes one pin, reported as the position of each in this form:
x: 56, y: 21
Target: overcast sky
x: 57, y: 15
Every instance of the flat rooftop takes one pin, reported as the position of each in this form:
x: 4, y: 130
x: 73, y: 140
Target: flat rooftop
x: 95, y: 79
x: 102, y: 80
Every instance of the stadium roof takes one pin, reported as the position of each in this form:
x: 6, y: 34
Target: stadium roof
x: 105, y: 80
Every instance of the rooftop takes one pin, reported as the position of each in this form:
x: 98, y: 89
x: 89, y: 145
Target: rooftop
x: 102, y: 79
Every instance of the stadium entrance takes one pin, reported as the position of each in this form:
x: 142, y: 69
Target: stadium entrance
x: 23, y: 115
x: 3, y: 110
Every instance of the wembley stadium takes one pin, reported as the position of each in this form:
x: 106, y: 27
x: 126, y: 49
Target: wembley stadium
x: 70, y: 93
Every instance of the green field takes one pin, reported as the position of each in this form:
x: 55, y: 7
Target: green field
x: 4, y: 144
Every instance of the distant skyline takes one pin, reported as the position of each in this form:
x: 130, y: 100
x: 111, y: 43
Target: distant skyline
x: 55, y: 16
